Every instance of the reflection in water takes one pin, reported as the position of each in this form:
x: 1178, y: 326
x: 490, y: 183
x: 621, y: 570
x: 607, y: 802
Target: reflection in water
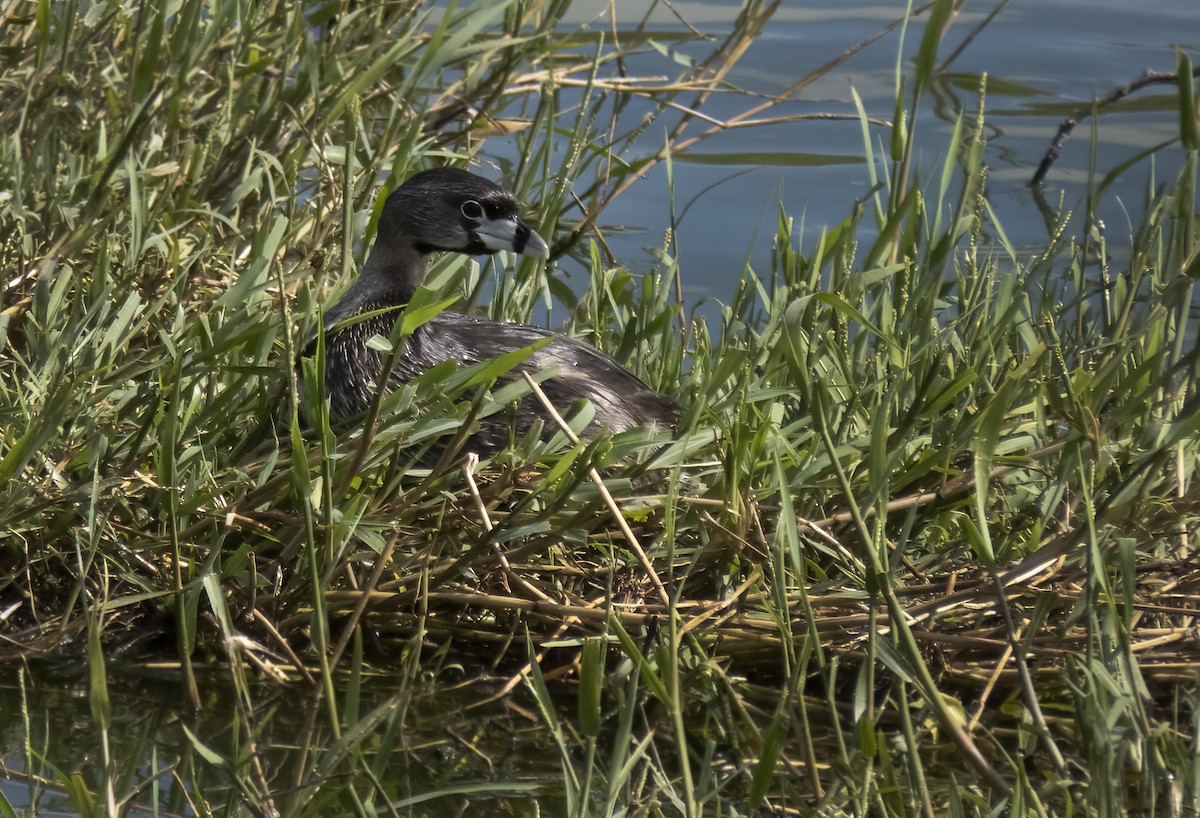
x: 458, y: 747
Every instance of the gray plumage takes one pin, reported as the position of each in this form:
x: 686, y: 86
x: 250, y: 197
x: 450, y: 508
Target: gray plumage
x: 452, y: 210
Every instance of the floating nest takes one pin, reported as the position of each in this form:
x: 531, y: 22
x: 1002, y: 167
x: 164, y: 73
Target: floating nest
x: 473, y: 567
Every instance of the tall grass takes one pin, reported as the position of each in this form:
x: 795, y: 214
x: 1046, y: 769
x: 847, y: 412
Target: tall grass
x: 920, y: 545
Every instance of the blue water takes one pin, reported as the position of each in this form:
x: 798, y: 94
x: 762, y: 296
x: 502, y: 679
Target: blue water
x: 1066, y: 52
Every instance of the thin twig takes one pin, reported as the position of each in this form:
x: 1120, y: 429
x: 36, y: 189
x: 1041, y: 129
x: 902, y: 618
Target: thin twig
x: 598, y: 481
x: 469, y: 472
x: 1148, y: 77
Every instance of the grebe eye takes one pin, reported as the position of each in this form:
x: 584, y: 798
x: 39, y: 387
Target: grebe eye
x: 472, y: 210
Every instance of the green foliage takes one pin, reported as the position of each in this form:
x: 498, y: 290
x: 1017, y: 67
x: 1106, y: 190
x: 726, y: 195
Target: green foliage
x: 927, y: 492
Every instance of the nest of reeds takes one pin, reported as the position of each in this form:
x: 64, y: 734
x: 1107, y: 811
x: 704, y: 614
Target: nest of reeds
x: 482, y: 561
x: 981, y: 629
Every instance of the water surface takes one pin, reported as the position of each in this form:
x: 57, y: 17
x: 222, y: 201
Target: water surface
x: 1045, y: 60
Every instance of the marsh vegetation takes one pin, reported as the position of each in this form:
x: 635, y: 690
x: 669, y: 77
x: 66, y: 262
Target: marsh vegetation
x: 923, y: 542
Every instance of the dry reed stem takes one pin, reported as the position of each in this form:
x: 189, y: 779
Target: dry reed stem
x: 598, y: 481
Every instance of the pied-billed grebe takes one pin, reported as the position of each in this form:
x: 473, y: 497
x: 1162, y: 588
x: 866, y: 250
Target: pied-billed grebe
x: 451, y: 210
